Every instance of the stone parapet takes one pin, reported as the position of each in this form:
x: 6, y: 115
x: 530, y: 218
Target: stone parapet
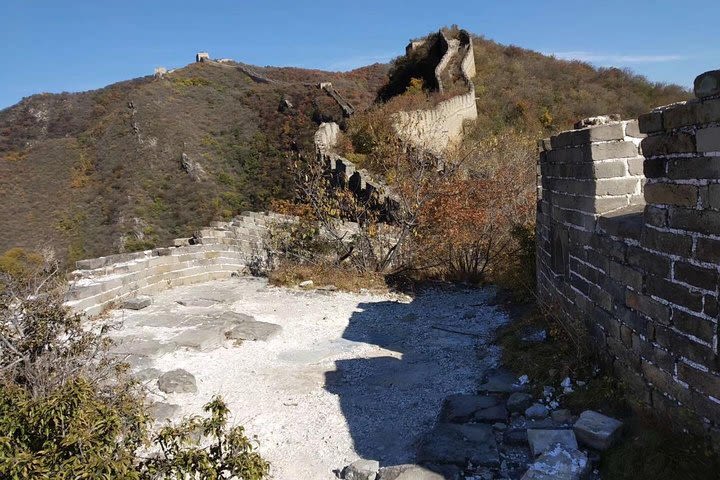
x: 632, y: 244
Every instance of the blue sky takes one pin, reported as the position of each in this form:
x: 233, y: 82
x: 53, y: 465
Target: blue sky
x: 56, y: 45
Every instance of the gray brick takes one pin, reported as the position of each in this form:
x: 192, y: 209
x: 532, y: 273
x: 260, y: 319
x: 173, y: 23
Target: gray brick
x: 655, y: 167
x: 708, y: 139
x: 681, y: 115
x: 646, y: 305
x: 609, y: 169
x: 706, y: 382
x: 632, y: 129
x: 710, y: 305
x: 667, y: 144
x: 613, y: 131
x: 648, y: 261
x: 655, y: 216
x: 625, y: 275
x: 671, y: 194
x: 694, y: 325
x: 708, y: 250
x: 691, y: 168
x: 703, y: 221
x: 650, y: 122
x: 681, y: 345
x: 700, y: 277
x: 635, y: 165
x: 673, y: 292
x: 616, y: 186
x: 667, y: 242
x: 606, y: 151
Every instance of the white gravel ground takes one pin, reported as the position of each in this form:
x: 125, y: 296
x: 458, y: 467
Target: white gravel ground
x: 350, y: 376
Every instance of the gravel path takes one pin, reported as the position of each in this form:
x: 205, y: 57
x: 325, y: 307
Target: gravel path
x: 350, y: 375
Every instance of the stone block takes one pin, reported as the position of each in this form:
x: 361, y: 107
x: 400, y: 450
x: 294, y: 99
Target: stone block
x: 635, y: 166
x: 667, y: 144
x: 681, y: 345
x: 615, y: 186
x: 600, y: 133
x: 461, y: 408
x: 650, y: 122
x: 361, y: 470
x: 632, y: 129
x: 667, y: 242
x: 625, y: 275
x: 543, y: 440
x: 694, y: 325
x: 673, y: 292
x: 708, y: 250
x: 707, y: 84
x: 559, y: 463
x: 137, y: 303
x: 706, y: 382
x: 177, y: 381
x: 702, y: 221
x: 693, y: 168
x: 518, y: 402
x: 655, y: 216
x: 700, y: 277
x: 710, y: 305
x: 459, y: 444
x: 708, y: 139
x: 611, y: 150
x: 681, y: 114
x: 683, y: 195
x: 647, y: 261
x: 596, y: 430
x: 646, y: 305
x: 654, y: 168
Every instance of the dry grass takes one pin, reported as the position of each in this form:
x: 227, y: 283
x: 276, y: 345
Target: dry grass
x: 290, y: 274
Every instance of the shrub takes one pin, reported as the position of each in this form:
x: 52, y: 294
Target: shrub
x: 69, y: 410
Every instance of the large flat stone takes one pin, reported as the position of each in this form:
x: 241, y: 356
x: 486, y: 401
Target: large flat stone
x: 596, y: 430
x: 450, y: 443
x: 137, y: 303
x: 361, y: 470
x: 559, y: 463
x: 202, y: 338
x: 417, y: 472
x: 518, y: 402
x: 461, y: 408
x: 501, y: 382
x: 254, y: 331
x: 177, y: 381
x: 542, y: 440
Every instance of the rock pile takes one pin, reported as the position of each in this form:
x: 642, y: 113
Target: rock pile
x: 503, y: 432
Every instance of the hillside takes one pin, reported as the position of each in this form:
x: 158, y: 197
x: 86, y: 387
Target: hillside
x: 99, y: 172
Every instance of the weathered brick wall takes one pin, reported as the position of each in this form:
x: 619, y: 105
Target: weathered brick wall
x: 435, y: 128
x: 642, y: 269
x: 215, y: 252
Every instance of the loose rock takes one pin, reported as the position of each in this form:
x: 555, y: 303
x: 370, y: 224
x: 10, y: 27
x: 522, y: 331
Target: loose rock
x: 542, y: 440
x: 137, y: 303
x: 161, y: 411
x: 460, y: 444
x: 596, y: 430
x: 537, y: 412
x: 306, y: 284
x: 559, y: 463
x: 519, y: 402
x: 562, y: 416
x: 177, y: 381
x: 361, y: 470
x: 254, y: 331
x: 501, y: 382
x: 461, y: 408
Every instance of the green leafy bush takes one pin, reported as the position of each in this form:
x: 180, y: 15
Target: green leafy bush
x: 69, y: 409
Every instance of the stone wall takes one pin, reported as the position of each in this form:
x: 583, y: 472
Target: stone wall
x: 219, y: 251
x: 344, y: 173
x: 436, y: 128
x: 641, y: 269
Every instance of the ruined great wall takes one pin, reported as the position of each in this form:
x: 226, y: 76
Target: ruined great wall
x: 628, y: 238
x: 436, y: 128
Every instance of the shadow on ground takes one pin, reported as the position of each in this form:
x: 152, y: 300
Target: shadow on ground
x: 433, y: 347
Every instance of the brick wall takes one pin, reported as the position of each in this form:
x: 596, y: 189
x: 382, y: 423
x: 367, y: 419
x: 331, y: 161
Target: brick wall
x: 435, y: 128
x: 632, y: 244
x: 215, y: 252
